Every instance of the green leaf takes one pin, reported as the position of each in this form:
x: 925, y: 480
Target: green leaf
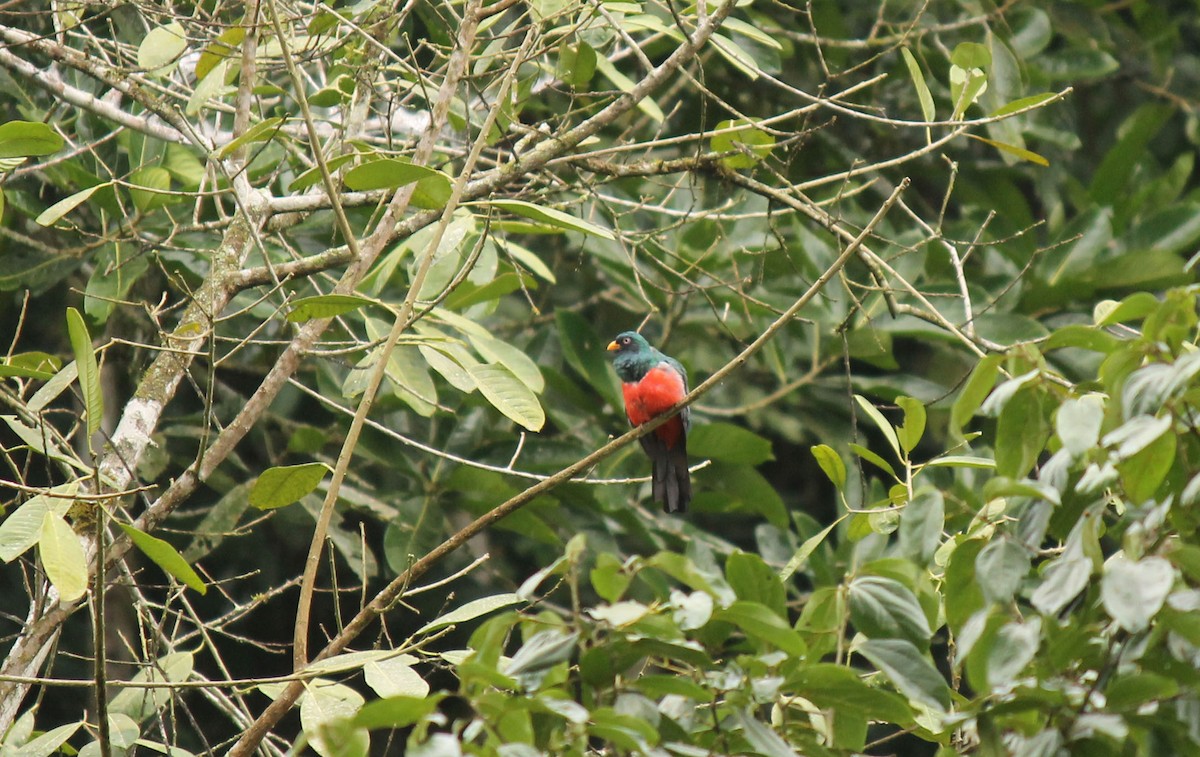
x: 760, y: 622
x: 1119, y: 162
x: 1078, y: 423
x: 979, y: 384
x: 394, y: 676
x: 762, y: 738
x: 22, y: 528
x: 873, y: 413
x: 918, y: 80
x: 396, y: 712
x: 1021, y: 433
x: 971, y: 55
x: 913, y: 428
x: 324, y: 703
x: 89, y: 370
x: 543, y: 650
x: 1135, y: 307
x: 550, y: 217
x: 576, y: 63
x: 921, y: 524
x: 1000, y: 568
x: 62, y: 557
x: 325, y: 306
x: 223, y: 48
x: 508, y: 394
x: 885, y: 608
x: 729, y: 443
x: 909, y: 670
x: 750, y: 145
x: 1014, y: 150
x: 392, y: 173
x: 262, y: 131
x: 55, y: 212
x: 831, y: 463
x: 471, y: 610
x: 46, y: 744
x: 141, y: 703
x: 144, y: 184
x: 873, y: 458
x: 1131, y: 691
x: 161, y: 48
x: 753, y: 580
x: 1061, y: 582
x: 805, y: 551
x: 1134, y: 591
x: 284, y: 484
x: 20, y: 139
x: 966, y: 86
x: 1012, y: 649
x: 313, y: 176
x: 1031, y: 101
x: 835, y: 688
x: 166, y: 557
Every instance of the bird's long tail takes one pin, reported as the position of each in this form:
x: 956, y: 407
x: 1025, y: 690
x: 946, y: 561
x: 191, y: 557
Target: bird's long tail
x: 672, y: 483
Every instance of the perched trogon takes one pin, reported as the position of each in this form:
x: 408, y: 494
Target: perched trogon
x: 652, y: 383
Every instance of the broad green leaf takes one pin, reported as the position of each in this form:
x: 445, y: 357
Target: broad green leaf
x: 325, y: 306
x: 1078, y: 422
x: 394, y: 676
x: 910, y: 432
x: 1125, y: 156
x: 1023, y: 103
x: 161, y: 48
x: 1014, y: 150
x: 749, y: 144
x: 921, y: 524
x: 764, y: 740
x: 20, y: 139
x: 966, y: 86
x: 805, y: 551
x: 1000, y: 568
x: 55, y: 212
x: 736, y: 55
x: 924, y: 97
x: 836, y: 688
x: 37, y: 365
x: 263, y: 131
x: 1012, y: 649
x: 508, y: 394
x: 471, y: 610
x: 543, y: 650
x: 831, y: 463
x: 550, y: 217
x: 1136, y: 434
x: 396, y: 712
x: 89, y: 370
x: 46, y: 744
x: 880, y: 422
x: 391, y: 173
x: 753, y: 580
x: 118, y: 268
x: 147, y: 187
x: 913, y: 674
x: 285, y: 484
x: 325, y: 702
x: 971, y: 55
x: 960, y: 461
x: 212, y: 85
x: 1021, y: 433
x: 1131, y: 691
x: 1134, y: 591
x: 729, y: 443
x: 62, y: 557
x: 885, y: 608
x: 576, y: 63
x: 873, y: 458
x: 21, y: 528
x: 166, y: 557
x: 313, y: 176
x: 978, y: 386
x: 760, y: 622
x: 1061, y: 581
x: 223, y: 48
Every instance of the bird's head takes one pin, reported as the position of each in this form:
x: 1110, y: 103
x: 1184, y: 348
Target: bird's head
x: 629, y: 343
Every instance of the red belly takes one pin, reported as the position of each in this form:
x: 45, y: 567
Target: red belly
x: 657, y: 392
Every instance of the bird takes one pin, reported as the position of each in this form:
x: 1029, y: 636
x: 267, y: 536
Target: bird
x: 653, y: 383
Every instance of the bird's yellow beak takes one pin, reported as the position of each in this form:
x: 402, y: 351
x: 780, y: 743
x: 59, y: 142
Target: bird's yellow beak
x: 613, y: 346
